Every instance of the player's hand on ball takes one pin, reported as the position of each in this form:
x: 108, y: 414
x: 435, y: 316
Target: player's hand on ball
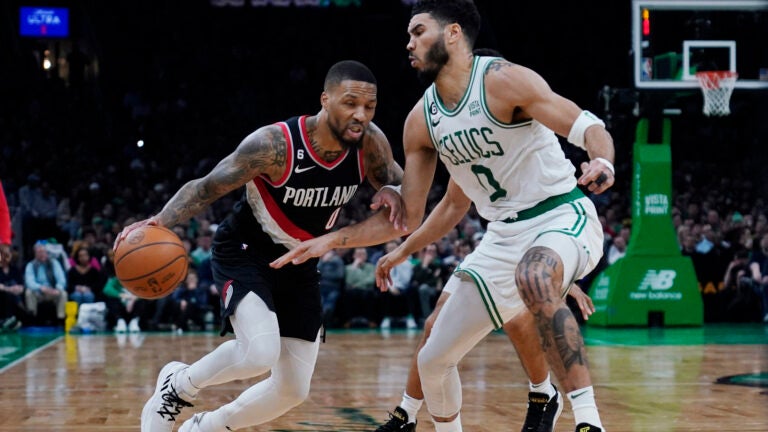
x: 127, y: 230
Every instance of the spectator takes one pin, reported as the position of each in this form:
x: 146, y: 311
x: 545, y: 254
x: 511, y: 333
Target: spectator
x: 46, y: 282
x: 203, y: 249
x: 84, y: 282
x: 400, y: 293
x: 190, y: 303
x: 427, y: 278
x: 738, y: 302
x: 331, y: 268
x: 617, y: 249
x: 205, y: 274
x: 122, y: 305
x: 359, y: 291
x: 758, y: 271
x: 12, y: 310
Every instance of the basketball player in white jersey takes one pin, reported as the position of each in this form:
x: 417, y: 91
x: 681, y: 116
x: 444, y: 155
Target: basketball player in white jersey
x: 493, y: 124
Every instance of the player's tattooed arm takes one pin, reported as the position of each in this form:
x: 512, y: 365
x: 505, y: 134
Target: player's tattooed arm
x: 498, y: 65
x: 380, y: 166
x: 263, y: 152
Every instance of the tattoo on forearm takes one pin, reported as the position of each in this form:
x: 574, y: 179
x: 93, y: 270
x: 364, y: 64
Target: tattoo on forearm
x: 344, y: 241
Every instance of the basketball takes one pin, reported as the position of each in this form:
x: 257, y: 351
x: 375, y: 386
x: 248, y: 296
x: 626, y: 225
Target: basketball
x: 151, y: 262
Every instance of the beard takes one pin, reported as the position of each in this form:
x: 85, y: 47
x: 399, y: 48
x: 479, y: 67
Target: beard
x: 434, y: 60
x: 338, y: 132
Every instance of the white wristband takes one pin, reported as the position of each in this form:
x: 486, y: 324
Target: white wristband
x: 607, y: 164
x: 394, y: 188
x: 580, y: 126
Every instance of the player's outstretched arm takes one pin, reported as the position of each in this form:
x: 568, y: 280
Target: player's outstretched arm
x: 262, y: 152
x: 444, y: 217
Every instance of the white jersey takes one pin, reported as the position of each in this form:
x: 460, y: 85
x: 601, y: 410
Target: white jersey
x: 503, y: 168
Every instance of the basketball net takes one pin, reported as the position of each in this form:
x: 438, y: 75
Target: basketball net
x: 717, y: 87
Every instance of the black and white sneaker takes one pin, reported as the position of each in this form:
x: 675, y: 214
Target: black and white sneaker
x: 160, y: 411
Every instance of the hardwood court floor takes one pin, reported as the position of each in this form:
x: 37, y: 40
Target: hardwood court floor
x: 645, y: 380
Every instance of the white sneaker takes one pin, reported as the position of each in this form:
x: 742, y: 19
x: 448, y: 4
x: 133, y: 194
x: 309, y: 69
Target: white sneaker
x: 410, y: 323
x: 133, y: 326
x: 160, y: 411
x: 193, y: 423
x: 386, y: 323
x: 121, y: 326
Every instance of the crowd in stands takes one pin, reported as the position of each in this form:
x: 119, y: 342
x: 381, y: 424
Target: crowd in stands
x: 726, y: 238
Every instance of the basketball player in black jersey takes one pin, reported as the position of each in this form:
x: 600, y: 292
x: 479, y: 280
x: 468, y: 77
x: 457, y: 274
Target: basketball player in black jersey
x: 297, y: 176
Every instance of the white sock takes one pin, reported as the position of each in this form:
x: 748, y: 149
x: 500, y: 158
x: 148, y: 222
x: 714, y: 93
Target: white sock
x: 584, y: 406
x: 543, y: 387
x: 184, y: 385
x: 411, y: 406
x: 451, y: 426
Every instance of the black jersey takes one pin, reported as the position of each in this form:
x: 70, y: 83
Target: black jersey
x: 305, y: 202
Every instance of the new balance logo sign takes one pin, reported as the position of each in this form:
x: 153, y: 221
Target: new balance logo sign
x: 658, y: 280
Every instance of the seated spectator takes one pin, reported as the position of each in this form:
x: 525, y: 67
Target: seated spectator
x: 205, y: 274
x: 617, y: 249
x: 84, y: 282
x: 203, y: 249
x: 737, y: 301
x: 122, y: 305
x: 13, y: 312
x: 427, y: 276
x: 190, y: 303
x: 360, y: 292
x: 331, y: 268
x: 46, y: 282
x: 758, y: 271
x: 400, y: 295
x: 80, y: 244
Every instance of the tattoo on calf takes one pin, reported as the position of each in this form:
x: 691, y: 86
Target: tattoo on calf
x: 567, y: 338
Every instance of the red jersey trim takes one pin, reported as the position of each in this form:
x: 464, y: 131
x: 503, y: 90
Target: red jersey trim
x: 289, y: 160
x: 6, y: 234
x: 316, y: 157
x: 277, y: 215
x: 361, y: 164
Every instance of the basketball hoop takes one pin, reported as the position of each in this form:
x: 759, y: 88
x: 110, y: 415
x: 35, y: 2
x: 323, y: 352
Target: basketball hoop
x: 717, y: 87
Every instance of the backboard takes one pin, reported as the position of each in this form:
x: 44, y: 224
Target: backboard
x: 674, y: 39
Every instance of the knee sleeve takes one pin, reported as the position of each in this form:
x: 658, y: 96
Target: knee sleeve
x: 461, y: 323
x: 287, y: 387
x: 254, y: 351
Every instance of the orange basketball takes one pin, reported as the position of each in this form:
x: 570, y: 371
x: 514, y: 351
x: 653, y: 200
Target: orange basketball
x: 151, y: 262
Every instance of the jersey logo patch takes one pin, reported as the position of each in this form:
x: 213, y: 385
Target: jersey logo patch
x: 300, y: 170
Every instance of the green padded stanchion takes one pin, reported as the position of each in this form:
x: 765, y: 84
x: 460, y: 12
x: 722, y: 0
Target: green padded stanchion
x: 653, y: 284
